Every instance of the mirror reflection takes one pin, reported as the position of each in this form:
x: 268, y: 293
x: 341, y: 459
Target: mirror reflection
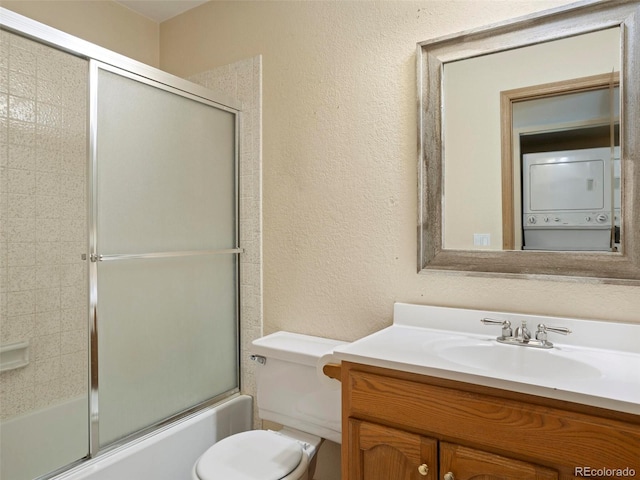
x: 569, y: 175
x: 532, y: 149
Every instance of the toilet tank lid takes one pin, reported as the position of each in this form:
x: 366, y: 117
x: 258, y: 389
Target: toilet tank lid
x: 294, y: 347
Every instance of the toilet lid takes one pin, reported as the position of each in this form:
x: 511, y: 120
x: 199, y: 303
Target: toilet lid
x: 253, y: 455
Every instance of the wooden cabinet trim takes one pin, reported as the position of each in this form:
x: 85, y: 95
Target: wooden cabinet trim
x: 491, y: 391
x: 480, y: 418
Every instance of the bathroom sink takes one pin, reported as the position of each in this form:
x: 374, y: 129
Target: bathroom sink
x: 597, y: 364
x: 516, y: 360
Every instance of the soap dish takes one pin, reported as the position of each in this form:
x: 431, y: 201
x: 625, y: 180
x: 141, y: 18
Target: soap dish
x: 14, y: 355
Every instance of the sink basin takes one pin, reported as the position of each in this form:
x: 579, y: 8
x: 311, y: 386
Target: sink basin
x: 596, y: 365
x: 516, y: 360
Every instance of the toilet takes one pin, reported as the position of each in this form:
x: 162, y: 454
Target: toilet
x: 291, y: 391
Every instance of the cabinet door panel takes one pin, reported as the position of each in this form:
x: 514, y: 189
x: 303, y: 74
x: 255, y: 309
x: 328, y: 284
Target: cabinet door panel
x: 469, y: 464
x: 383, y: 453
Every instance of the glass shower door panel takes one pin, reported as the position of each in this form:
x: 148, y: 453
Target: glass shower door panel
x: 44, y: 406
x: 165, y: 176
x: 168, y: 338
x: 165, y: 168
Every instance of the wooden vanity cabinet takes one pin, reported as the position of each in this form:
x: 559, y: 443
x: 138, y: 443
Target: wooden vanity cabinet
x: 403, y: 426
x: 378, y: 452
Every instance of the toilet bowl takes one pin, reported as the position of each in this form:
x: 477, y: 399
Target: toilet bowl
x: 291, y: 393
x: 259, y: 454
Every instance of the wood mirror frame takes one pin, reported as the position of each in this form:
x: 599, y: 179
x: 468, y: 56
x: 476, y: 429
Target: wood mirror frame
x: 574, y: 19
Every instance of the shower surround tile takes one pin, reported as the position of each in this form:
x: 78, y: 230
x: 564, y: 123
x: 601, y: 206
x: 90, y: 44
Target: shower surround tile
x: 21, y: 133
x: 16, y: 328
x: 21, y: 278
x: 21, y: 206
x: 21, y: 157
x: 21, y: 303
x: 21, y: 181
x: 46, y: 347
x: 48, y: 323
x: 22, y: 109
x: 19, y: 254
x: 43, y: 215
x: 21, y: 85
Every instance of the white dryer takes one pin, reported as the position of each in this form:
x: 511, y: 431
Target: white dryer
x: 571, y: 199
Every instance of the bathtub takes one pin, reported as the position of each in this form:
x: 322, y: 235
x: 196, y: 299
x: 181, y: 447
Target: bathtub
x: 167, y: 454
x: 35, y: 443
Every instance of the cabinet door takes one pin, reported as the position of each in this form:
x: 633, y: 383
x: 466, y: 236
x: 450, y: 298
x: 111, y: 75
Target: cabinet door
x: 464, y: 463
x: 383, y: 453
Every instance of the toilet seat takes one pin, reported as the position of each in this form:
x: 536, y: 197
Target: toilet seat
x: 252, y: 455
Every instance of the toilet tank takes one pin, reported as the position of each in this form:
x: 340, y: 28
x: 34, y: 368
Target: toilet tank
x: 291, y: 389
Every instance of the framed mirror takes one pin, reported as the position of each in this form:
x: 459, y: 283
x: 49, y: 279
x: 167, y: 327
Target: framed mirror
x: 529, y: 147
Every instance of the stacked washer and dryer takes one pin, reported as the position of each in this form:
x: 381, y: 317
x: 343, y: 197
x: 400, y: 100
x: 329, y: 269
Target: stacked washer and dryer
x: 571, y: 200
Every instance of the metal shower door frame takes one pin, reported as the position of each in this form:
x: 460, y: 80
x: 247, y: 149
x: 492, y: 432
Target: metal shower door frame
x: 156, y: 79
x: 99, y: 57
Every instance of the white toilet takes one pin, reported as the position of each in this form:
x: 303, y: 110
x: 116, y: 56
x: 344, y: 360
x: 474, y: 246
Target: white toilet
x: 292, y: 392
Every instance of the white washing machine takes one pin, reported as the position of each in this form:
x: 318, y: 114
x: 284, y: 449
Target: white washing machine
x: 571, y: 199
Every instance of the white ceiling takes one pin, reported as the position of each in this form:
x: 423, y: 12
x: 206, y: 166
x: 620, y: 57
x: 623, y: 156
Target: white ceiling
x: 161, y: 10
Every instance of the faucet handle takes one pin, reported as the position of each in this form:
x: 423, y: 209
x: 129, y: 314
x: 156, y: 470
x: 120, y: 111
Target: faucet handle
x: 541, y: 334
x: 506, y: 326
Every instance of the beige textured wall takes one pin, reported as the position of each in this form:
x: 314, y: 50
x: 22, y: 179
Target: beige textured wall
x: 339, y: 160
x: 102, y: 22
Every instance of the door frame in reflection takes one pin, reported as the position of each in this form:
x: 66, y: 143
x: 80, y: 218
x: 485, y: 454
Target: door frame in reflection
x: 511, y: 144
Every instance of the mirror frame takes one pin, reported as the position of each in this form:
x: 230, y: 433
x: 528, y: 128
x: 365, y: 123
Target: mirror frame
x: 570, y: 20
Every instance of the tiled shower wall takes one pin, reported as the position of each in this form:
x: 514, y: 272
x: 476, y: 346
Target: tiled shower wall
x: 43, y: 151
x: 242, y: 80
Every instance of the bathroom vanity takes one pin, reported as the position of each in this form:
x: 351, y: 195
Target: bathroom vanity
x: 426, y: 398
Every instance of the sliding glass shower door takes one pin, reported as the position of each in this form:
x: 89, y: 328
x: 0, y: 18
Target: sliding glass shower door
x: 164, y: 251
x: 119, y: 268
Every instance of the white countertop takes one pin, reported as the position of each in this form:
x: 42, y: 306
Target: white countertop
x: 598, y: 364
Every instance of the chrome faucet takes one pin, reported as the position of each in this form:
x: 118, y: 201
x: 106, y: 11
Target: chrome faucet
x: 522, y: 335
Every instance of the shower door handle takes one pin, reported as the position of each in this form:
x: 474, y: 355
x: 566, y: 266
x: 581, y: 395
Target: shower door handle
x: 138, y: 256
